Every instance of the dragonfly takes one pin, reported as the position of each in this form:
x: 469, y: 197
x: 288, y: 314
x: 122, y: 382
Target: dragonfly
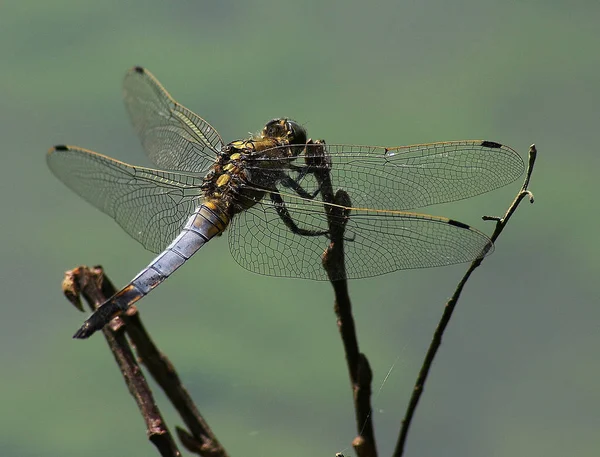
x: 265, y: 191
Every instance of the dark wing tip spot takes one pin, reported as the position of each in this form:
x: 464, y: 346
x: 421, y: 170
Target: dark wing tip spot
x: 60, y: 147
x: 458, y: 224
x: 138, y: 69
x: 490, y: 144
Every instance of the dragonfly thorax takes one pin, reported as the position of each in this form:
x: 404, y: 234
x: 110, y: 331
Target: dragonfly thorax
x: 246, y: 170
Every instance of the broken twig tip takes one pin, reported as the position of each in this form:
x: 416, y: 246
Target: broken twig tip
x: 71, y: 289
x: 531, y: 199
x: 491, y: 218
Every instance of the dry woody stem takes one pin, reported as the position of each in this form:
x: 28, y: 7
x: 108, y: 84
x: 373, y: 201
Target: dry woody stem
x: 359, y: 369
x: 122, y: 334
x: 451, y: 305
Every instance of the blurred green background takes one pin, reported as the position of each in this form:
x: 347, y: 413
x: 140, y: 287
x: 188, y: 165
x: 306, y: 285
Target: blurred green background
x: 518, y: 370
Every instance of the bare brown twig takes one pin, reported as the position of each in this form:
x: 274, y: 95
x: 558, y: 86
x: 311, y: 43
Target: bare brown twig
x: 96, y: 288
x: 451, y: 305
x: 359, y: 369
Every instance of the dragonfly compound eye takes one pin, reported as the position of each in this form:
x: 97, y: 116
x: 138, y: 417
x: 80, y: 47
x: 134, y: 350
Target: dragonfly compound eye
x: 296, y: 133
x: 274, y: 128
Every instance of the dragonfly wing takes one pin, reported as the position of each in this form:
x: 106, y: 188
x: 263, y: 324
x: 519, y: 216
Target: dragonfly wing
x: 421, y: 175
x: 410, y: 176
x: 382, y: 242
x: 260, y: 242
x: 173, y: 137
x: 150, y: 205
x: 377, y: 242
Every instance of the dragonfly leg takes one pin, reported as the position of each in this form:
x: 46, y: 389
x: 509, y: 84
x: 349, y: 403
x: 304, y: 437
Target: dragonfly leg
x: 293, y: 184
x: 285, y: 216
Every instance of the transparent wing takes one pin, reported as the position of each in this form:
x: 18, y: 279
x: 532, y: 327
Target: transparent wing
x: 381, y: 182
x: 377, y: 242
x: 173, y: 137
x: 150, y: 205
x: 406, y: 177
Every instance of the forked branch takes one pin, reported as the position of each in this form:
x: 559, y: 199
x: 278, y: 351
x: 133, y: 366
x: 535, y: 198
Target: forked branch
x: 451, y: 305
x: 96, y: 288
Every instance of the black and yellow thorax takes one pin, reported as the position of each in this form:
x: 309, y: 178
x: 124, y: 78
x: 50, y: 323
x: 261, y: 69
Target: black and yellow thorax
x: 246, y: 170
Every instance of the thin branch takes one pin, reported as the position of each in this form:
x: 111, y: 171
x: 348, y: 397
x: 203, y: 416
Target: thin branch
x: 200, y: 439
x: 451, y: 305
x: 96, y: 288
x: 359, y: 369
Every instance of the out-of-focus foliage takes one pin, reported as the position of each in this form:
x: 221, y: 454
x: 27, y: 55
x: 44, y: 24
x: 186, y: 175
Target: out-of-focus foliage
x: 518, y: 371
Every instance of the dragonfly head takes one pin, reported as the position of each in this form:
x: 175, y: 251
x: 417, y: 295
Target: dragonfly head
x: 285, y: 131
